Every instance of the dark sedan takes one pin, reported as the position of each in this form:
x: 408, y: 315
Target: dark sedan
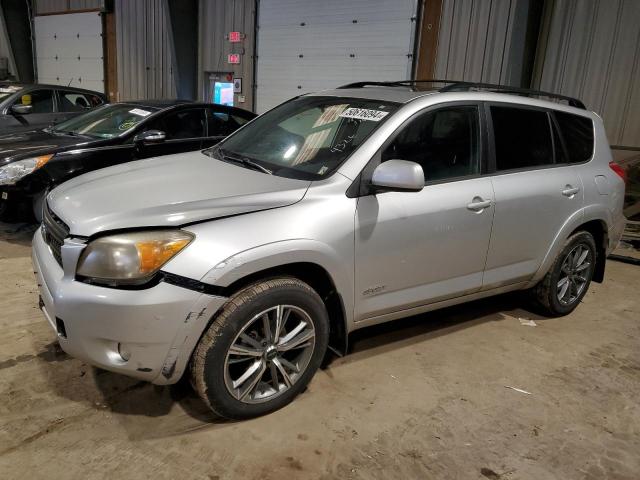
x: 25, y: 107
x: 33, y: 162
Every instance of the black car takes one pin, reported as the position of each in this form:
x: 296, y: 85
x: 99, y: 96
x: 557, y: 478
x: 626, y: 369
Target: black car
x: 25, y: 107
x: 33, y: 162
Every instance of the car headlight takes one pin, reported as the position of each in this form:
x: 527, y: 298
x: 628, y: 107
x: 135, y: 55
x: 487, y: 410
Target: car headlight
x: 11, y: 173
x: 130, y: 258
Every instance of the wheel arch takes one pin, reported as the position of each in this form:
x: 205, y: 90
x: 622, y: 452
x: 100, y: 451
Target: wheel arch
x: 318, y: 278
x: 313, y: 262
x: 598, y: 229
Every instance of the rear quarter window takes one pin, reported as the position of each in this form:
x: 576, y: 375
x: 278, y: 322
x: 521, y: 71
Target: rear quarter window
x: 577, y: 133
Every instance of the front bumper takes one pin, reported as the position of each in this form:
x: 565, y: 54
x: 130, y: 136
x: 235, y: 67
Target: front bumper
x: 159, y: 327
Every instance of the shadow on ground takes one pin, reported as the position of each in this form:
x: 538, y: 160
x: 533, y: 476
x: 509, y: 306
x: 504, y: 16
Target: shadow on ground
x: 17, y: 233
x: 104, y: 390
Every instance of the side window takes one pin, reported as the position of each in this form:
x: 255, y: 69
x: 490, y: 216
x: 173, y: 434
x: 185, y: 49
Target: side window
x: 222, y: 123
x: 181, y: 125
x: 577, y: 133
x: 41, y: 101
x: 74, y: 102
x: 444, y: 142
x: 522, y: 136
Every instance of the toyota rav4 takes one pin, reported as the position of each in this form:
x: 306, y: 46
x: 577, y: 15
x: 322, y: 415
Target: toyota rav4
x: 243, y: 263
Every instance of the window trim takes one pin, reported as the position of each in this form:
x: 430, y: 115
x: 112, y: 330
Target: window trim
x: 360, y: 186
x: 493, y: 170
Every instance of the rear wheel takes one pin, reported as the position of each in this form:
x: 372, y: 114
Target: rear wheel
x: 568, y: 280
x: 262, y: 349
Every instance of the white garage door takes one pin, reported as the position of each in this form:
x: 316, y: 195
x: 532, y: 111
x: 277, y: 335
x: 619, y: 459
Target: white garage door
x: 69, y: 50
x: 310, y: 45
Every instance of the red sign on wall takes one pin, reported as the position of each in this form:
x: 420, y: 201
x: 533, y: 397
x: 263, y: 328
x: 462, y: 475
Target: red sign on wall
x: 235, y: 37
x: 233, y: 58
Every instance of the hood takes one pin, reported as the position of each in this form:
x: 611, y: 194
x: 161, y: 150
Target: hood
x: 15, y: 146
x: 168, y: 191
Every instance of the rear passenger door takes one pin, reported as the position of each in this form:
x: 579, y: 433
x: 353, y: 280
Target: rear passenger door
x: 536, y: 192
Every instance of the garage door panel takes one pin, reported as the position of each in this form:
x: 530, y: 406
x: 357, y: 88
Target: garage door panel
x: 305, y: 46
x: 69, y: 50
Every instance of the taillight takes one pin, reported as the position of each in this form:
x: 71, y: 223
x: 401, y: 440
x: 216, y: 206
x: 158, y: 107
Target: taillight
x: 619, y: 170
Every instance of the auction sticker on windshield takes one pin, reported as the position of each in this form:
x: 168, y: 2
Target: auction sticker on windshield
x: 364, y: 114
x: 140, y: 112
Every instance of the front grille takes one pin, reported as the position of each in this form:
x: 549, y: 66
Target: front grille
x: 54, y: 231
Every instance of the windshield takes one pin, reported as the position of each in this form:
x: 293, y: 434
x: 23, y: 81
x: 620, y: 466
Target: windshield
x: 107, y: 121
x: 6, y: 90
x: 306, y: 138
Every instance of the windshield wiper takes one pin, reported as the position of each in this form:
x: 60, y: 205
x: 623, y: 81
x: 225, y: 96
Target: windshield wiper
x: 246, y: 161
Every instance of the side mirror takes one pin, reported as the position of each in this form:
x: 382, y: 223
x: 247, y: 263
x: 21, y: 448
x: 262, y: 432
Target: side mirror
x: 398, y: 176
x: 150, y: 136
x: 20, y: 109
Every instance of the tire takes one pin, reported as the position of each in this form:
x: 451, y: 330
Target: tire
x: 239, y: 383
x: 567, y: 282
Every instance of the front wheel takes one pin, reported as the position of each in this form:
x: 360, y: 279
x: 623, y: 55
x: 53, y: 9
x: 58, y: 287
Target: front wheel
x: 262, y: 349
x: 568, y: 280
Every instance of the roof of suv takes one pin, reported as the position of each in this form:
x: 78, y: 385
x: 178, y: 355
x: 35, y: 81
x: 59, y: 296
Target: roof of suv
x: 408, y: 90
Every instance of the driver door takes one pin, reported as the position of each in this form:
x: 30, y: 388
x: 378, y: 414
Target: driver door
x: 415, y: 248
x: 42, y: 112
x: 184, y: 130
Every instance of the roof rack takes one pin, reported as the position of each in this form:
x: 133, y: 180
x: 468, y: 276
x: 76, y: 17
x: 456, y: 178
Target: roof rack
x: 459, y: 86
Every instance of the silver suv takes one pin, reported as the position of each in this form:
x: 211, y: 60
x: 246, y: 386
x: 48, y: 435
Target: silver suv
x: 242, y: 264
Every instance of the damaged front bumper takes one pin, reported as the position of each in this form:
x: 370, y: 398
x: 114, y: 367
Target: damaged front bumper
x: 147, y: 334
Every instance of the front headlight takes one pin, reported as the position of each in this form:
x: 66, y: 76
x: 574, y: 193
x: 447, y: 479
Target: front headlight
x: 10, y: 174
x: 130, y: 258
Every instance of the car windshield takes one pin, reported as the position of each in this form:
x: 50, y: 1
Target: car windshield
x: 306, y: 138
x: 7, y: 89
x: 107, y: 121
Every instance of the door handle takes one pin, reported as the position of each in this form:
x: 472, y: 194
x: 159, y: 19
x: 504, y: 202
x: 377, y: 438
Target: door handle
x: 478, y: 204
x: 570, y: 191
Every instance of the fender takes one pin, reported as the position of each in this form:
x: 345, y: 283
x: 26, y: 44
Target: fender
x: 582, y: 216
x: 279, y: 254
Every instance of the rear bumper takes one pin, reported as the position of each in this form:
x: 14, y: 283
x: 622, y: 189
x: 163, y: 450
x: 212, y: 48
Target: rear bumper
x: 157, y: 327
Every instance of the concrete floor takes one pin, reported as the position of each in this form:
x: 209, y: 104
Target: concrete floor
x: 421, y: 398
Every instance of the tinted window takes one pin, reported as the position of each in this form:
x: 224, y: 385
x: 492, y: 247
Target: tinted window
x: 444, y: 142
x: 77, y: 102
x: 41, y: 101
x: 522, y: 136
x: 577, y: 133
x: 183, y: 124
x: 222, y: 123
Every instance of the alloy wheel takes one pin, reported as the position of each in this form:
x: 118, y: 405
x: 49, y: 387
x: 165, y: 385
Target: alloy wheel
x: 271, y: 352
x: 574, y: 274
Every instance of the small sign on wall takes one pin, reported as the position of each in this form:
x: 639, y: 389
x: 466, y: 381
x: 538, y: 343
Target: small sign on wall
x: 233, y: 58
x: 237, y: 85
x: 235, y: 37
